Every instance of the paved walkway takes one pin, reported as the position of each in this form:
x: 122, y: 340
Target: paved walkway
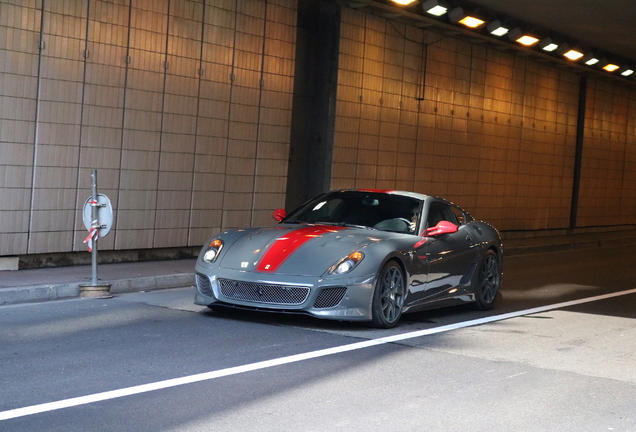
x: 22, y: 286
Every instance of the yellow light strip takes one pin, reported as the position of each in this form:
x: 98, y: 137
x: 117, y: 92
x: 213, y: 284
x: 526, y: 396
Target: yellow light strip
x: 573, y: 55
x: 610, y: 67
x: 471, y: 22
x: 527, y: 40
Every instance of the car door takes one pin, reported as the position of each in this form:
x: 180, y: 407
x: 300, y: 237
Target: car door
x: 448, y: 256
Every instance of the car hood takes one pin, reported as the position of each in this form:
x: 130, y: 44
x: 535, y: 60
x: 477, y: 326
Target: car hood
x: 307, y: 250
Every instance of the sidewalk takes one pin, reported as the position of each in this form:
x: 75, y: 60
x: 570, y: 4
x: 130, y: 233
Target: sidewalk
x: 23, y: 286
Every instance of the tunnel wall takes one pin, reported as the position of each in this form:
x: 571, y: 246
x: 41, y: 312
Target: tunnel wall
x: 492, y: 130
x: 608, y: 168
x: 184, y: 107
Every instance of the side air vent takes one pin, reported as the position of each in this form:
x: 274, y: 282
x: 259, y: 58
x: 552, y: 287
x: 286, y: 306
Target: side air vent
x: 329, y: 297
x: 204, y: 285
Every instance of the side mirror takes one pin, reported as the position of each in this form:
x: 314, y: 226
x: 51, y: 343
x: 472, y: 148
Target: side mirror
x: 279, y: 214
x: 443, y: 227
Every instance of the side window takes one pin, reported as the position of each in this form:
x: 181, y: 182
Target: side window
x: 459, y: 215
x: 440, y: 212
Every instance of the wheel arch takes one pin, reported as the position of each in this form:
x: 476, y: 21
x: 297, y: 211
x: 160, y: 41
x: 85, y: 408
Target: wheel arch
x: 400, y: 262
x: 498, y: 250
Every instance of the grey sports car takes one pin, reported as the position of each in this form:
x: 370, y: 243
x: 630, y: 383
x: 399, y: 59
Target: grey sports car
x: 365, y: 255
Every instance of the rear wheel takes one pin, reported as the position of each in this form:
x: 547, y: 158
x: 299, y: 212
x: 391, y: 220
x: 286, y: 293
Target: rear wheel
x: 488, y: 281
x: 388, y: 297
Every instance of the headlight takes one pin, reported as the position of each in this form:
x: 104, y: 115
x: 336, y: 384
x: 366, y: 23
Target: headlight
x: 347, y: 264
x: 213, y: 251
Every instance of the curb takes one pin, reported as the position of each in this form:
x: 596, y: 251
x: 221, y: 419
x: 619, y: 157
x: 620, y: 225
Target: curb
x: 38, y: 293
x: 567, y: 245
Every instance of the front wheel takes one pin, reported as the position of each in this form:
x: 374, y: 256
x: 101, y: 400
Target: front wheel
x: 388, y: 297
x: 488, y: 281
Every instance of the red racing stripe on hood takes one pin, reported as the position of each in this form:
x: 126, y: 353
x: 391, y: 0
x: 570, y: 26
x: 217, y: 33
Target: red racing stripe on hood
x: 287, y: 244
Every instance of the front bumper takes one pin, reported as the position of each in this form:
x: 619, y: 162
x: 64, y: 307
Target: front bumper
x: 341, y: 298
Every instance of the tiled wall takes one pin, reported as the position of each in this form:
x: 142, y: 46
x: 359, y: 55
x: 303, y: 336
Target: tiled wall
x: 184, y: 108
x: 19, y: 36
x: 490, y: 130
x: 608, y: 178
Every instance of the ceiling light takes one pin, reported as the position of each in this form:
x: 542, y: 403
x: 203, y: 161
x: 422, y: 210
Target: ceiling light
x: 457, y: 15
x: 590, y: 59
x: 573, y: 55
x: 569, y: 53
x: 434, y: 7
x: 527, y: 40
x: 626, y: 71
x: 403, y: 2
x: 471, y: 22
x: 496, y: 28
x: 524, y: 39
x: 547, y: 44
x: 610, y: 67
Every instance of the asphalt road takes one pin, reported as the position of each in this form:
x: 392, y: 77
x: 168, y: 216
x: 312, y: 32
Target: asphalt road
x: 557, y: 354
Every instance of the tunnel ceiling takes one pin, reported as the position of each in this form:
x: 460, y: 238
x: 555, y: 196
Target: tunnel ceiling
x: 605, y: 24
x: 602, y: 28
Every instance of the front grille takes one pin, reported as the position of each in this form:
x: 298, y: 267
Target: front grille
x: 203, y: 282
x: 263, y: 293
x: 329, y: 297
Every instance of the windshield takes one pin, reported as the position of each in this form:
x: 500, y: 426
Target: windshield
x: 381, y: 211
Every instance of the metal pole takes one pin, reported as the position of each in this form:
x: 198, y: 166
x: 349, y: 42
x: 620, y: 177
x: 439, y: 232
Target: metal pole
x: 95, y: 289
x: 94, y: 220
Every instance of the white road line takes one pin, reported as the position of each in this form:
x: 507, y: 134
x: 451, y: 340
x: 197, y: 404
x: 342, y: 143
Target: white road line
x: 128, y: 391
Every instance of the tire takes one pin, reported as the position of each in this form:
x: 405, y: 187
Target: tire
x: 388, y: 296
x: 488, y: 281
